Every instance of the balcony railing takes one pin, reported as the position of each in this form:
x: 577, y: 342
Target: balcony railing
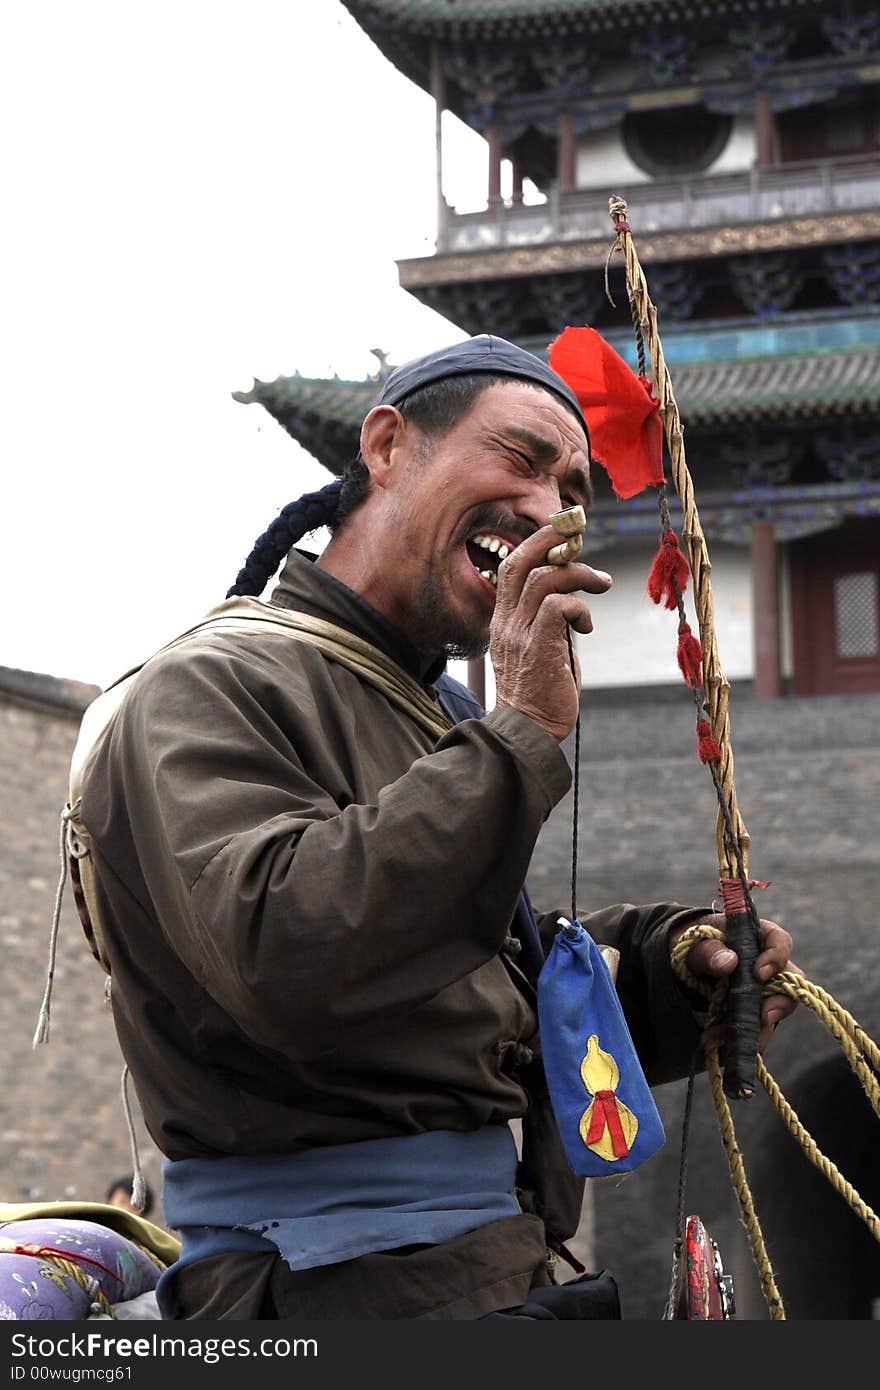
x: 755, y: 195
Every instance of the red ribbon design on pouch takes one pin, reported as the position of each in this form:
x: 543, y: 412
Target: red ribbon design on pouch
x: 605, y: 1114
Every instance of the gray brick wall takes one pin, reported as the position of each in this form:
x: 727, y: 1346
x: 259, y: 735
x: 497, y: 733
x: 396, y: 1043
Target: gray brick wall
x: 62, y: 1128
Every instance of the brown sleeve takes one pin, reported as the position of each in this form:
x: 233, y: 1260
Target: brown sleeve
x: 308, y: 919
x: 662, y: 1017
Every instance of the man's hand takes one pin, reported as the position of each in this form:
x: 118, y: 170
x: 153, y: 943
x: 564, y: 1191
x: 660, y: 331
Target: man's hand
x: 713, y: 960
x: 536, y: 605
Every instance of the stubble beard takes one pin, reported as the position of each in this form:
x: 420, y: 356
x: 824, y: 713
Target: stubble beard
x: 442, y: 630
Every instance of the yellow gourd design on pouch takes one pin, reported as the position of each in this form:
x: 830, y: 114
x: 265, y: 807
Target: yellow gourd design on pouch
x: 607, y: 1127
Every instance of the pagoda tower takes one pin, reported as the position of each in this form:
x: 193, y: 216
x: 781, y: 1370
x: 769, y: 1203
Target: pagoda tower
x: 746, y: 140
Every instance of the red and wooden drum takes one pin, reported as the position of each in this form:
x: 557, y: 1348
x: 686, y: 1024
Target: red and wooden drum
x: 705, y: 1292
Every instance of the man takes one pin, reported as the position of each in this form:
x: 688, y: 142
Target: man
x: 118, y: 1194
x: 311, y: 895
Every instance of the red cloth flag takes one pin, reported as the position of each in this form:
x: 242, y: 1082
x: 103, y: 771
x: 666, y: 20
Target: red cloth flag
x: 626, y: 432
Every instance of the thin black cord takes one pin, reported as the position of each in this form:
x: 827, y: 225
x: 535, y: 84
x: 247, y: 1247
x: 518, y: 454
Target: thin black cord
x: 577, y: 765
x: 680, y: 1206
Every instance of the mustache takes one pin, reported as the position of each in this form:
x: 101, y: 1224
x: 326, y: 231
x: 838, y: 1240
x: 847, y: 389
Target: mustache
x: 492, y: 519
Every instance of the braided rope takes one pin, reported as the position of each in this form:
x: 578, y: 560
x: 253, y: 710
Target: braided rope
x: 731, y: 836
x: 150, y: 1254
x: 87, y: 1282
x: 294, y: 521
x: 715, y: 994
x: 741, y: 1187
x: 717, y: 686
x: 816, y: 1156
x: 799, y: 988
x: 861, y: 1052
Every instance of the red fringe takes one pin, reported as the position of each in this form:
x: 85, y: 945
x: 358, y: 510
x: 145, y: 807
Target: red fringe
x: 670, y: 568
x: 690, y: 655
x: 707, y: 746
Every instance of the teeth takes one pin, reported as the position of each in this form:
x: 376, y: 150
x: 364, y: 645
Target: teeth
x: 491, y: 576
x: 494, y: 544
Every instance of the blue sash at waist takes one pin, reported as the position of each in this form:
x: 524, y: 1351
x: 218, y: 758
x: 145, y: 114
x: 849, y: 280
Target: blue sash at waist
x: 328, y: 1204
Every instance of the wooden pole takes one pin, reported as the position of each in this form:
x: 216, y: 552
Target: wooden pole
x: 765, y: 611
x: 438, y: 91
x: 493, y: 135
x: 517, y: 181
x: 567, y: 155
x: 765, y: 131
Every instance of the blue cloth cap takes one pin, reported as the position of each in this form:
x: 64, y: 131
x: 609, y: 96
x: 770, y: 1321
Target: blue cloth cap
x: 484, y: 353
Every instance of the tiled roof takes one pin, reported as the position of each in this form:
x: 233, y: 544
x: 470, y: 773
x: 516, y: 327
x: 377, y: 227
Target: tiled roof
x: 325, y: 415
x: 435, y: 15
x: 804, y: 386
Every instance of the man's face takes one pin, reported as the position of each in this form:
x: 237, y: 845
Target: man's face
x: 456, y: 502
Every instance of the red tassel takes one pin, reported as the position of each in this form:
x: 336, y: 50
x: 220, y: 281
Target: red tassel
x: 707, y: 747
x: 690, y: 655
x: 670, y: 568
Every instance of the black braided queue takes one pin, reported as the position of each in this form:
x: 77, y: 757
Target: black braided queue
x: 294, y: 521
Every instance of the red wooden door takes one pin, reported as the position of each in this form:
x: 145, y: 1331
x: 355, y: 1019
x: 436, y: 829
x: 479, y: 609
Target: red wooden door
x: 835, y: 597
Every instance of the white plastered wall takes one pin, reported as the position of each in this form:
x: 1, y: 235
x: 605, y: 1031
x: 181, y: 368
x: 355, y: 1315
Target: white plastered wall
x: 602, y: 158
x: 634, y: 641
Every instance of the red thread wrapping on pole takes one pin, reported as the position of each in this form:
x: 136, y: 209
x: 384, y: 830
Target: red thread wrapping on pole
x: 669, y: 572
x: 733, y: 894
x: 622, y: 226
x: 707, y: 745
x: 690, y: 655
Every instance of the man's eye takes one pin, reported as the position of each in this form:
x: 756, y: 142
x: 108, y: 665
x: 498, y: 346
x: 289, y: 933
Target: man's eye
x: 523, y: 461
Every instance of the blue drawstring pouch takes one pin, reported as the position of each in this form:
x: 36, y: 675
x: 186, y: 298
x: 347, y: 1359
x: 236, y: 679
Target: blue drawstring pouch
x: 603, y: 1105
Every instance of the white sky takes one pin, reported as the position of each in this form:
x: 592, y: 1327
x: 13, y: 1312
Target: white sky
x: 197, y: 192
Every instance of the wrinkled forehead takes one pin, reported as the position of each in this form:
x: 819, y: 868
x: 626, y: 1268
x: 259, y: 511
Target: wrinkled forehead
x: 528, y: 411
x: 485, y: 353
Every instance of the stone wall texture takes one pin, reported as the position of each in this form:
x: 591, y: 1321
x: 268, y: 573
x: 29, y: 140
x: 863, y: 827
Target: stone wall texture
x: 62, y: 1124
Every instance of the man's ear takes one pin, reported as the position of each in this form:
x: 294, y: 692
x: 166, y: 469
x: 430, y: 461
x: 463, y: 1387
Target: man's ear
x: 381, y: 437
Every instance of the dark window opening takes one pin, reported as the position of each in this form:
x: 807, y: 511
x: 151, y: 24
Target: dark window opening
x: 849, y: 125
x: 808, y: 42
x: 682, y: 140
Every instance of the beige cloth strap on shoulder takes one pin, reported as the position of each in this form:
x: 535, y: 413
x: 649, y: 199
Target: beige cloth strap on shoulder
x: 235, y: 615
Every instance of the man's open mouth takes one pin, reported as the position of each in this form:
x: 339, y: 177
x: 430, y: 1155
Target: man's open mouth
x: 485, y: 553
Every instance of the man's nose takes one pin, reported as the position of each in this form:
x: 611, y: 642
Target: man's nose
x: 545, y: 499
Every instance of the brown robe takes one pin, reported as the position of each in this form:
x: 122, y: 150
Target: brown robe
x: 306, y: 902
